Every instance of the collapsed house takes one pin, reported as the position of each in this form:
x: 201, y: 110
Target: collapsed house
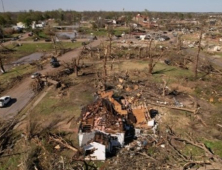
x: 109, y: 123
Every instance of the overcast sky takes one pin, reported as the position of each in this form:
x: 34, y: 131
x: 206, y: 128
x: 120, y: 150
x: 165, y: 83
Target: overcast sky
x: 115, y: 5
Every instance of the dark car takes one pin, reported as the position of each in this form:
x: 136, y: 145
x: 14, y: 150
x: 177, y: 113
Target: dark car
x: 14, y: 38
x: 47, y: 40
x: 73, y: 40
x: 54, y: 62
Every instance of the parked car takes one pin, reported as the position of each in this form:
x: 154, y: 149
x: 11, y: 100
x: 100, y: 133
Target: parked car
x: 35, y: 75
x: 54, y: 62
x: 91, y: 38
x: 73, y: 40
x: 30, y: 34
x: 4, y: 100
x: 14, y: 38
x: 48, y: 40
x: 163, y: 38
x: 35, y: 39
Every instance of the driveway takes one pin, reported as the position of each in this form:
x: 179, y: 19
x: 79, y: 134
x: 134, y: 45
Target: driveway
x: 22, y: 94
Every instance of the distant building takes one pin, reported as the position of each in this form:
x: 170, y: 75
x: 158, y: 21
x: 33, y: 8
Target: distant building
x: 40, y: 24
x: 16, y: 28
x: 21, y: 25
x: 143, y: 20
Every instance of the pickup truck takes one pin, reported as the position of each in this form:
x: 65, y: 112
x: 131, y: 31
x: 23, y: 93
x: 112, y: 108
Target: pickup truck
x: 4, y: 100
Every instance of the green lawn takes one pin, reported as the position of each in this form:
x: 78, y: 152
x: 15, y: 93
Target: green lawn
x: 24, y: 50
x: 120, y: 30
x: 159, y: 69
x: 215, y: 146
x: 12, y: 75
x: 103, y: 31
x: 29, y: 48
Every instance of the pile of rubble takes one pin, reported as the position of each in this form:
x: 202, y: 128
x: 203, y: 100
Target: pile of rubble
x: 111, y: 122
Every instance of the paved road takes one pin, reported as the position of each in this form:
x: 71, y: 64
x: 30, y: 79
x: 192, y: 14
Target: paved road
x: 24, y: 60
x: 24, y: 36
x: 22, y: 94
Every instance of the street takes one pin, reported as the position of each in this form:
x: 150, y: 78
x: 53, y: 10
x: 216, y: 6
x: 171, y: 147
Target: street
x: 21, y: 94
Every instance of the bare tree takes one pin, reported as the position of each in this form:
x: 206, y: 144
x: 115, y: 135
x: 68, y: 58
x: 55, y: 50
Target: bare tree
x: 54, y: 45
x: 110, y: 34
x: 104, y: 65
x: 2, y: 65
x: 75, y: 67
x: 196, y: 61
x: 105, y: 70
x: 152, y: 63
x: 179, y: 41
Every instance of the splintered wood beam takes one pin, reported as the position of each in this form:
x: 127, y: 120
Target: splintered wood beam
x: 64, y: 143
x: 176, y: 108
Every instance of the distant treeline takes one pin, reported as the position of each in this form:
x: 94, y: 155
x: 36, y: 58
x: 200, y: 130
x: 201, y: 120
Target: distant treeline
x: 67, y: 17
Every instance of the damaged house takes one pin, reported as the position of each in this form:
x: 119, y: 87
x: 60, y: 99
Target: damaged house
x: 108, y: 124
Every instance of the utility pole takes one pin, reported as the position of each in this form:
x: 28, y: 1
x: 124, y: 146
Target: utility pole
x: 3, y: 6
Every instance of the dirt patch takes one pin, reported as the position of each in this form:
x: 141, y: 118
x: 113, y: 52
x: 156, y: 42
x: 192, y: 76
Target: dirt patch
x: 181, y: 88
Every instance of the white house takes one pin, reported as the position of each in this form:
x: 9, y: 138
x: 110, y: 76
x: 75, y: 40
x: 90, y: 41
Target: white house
x: 21, y: 25
x: 39, y: 25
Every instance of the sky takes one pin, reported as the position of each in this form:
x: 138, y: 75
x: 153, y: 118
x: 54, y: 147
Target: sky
x: 113, y: 5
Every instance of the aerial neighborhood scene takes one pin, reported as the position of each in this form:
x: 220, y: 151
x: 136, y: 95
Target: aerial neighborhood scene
x: 110, y: 85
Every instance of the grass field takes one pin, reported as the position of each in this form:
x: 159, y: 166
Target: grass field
x: 24, y: 50
x: 14, y: 75
x: 29, y: 48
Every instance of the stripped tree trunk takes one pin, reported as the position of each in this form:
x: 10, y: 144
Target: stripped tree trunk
x: 54, y: 45
x: 140, y: 52
x: 150, y: 65
x: 78, y: 59
x: 196, y: 62
x: 2, y: 66
x: 110, y: 45
x: 105, y: 71
x: 104, y: 65
x: 75, y: 67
